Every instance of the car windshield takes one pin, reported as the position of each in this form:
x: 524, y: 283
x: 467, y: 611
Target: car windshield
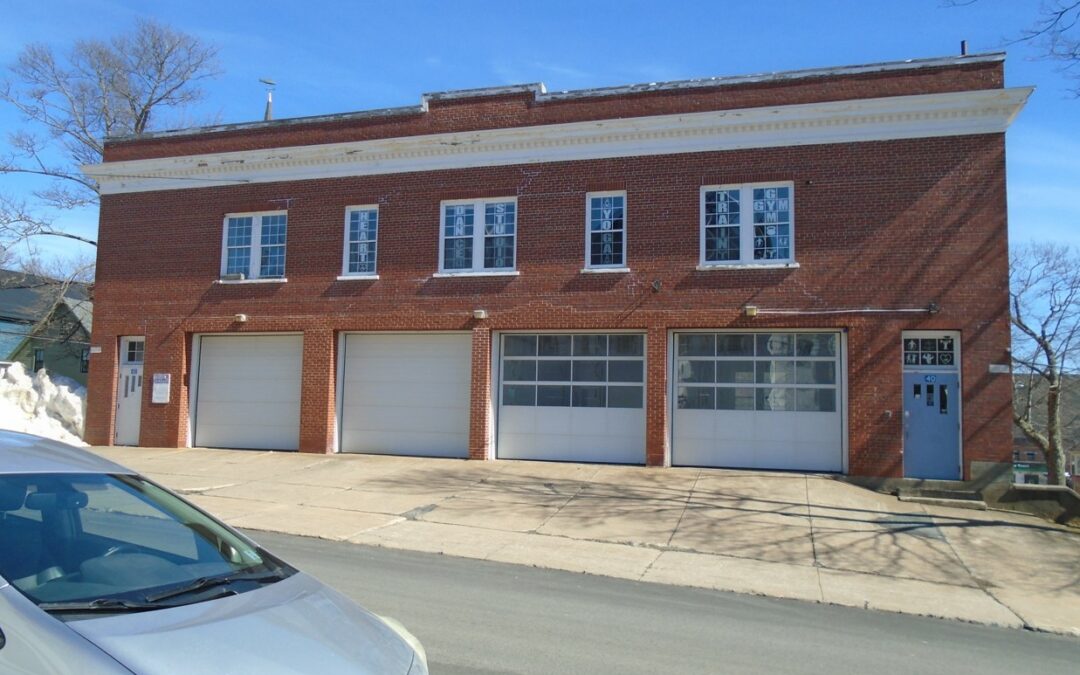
x: 77, y: 543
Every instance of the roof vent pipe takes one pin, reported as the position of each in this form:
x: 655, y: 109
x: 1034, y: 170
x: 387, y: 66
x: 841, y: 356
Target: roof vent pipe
x: 963, y: 48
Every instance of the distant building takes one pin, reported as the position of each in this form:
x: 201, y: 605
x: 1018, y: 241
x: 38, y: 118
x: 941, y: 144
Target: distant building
x: 1029, y: 462
x: 45, y: 324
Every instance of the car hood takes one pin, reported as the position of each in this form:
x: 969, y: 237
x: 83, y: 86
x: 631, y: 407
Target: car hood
x: 296, y: 625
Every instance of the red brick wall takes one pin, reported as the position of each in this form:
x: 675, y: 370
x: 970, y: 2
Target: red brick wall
x: 521, y: 109
x: 877, y: 225
x: 480, y: 426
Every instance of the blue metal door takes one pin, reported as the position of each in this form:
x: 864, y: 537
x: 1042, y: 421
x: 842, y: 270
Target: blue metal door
x: 932, y: 425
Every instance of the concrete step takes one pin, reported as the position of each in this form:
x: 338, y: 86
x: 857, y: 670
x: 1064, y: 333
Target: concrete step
x: 975, y: 504
x: 939, y: 493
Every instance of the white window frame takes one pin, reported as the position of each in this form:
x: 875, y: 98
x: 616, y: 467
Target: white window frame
x: 479, y: 206
x: 618, y: 267
x: 255, y: 261
x: 345, y: 273
x: 746, y: 228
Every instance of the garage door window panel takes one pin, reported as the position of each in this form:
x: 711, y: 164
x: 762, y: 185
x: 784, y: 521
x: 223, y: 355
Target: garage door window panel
x: 815, y: 372
x: 807, y: 360
x: 627, y: 345
x: 734, y: 398
x: 776, y: 399
x: 735, y: 372
x: 574, y: 370
x: 519, y: 345
x: 822, y: 344
x: 625, y: 397
x: 776, y: 344
x: 735, y: 344
x: 548, y: 395
x: 589, y: 397
x: 815, y: 400
x: 519, y: 394
x: 697, y: 345
x: 697, y: 371
x: 554, y: 345
x: 696, y: 398
x: 518, y: 370
x: 590, y: 345
x: 590, y: 371
x: 554, y: 371
x: 775, y: 372
x: 626, y: 371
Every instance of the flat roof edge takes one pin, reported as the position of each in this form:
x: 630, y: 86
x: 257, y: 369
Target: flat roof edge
x: 541, y: 94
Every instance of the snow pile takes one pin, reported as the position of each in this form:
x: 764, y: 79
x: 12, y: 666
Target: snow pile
x: 53, y: 408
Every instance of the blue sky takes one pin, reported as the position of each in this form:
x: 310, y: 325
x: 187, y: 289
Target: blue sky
x: 341, y: 56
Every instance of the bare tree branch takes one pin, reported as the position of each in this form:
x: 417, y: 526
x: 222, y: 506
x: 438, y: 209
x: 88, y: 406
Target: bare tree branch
x: 70, y: 104
x: 1053, y: 32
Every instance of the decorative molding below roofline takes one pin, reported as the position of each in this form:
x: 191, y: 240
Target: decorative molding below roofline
x: 878, y: 119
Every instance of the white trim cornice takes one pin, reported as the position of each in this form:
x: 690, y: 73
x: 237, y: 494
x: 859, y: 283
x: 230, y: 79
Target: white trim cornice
x: 921, y: 116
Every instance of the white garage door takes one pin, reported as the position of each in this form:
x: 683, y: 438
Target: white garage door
x: 576, y: 398
x: 758, y: 400
x: 406, y: 394
x: 249, y: 392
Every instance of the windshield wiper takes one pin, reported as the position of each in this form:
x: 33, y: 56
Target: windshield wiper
x: 209, y: 582
x: 101, y: 605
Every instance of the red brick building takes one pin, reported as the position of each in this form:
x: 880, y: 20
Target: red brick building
x: 803, y: 271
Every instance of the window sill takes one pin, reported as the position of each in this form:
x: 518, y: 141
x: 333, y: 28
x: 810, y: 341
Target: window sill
x: 447, y: 275
x: 605, y: 270
x: 230, y: 282
x: 748, y: 266
x: 358, y: 277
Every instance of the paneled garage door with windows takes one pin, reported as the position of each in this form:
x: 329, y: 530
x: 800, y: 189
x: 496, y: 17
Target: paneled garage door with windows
x: 758, y: 400
x: 248, y: 392
x: 577, y: 398
x: 406, y: 394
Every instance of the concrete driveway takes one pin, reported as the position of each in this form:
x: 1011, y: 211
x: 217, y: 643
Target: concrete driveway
x: 807, y: 537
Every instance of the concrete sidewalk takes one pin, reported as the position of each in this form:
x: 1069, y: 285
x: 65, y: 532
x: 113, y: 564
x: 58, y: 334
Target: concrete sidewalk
x: 798, y: 536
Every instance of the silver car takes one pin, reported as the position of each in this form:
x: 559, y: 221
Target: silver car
x: 103, y: 571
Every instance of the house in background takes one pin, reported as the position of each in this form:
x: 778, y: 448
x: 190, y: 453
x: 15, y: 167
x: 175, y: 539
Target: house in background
x: 45, y: 324
x: 800, y: 271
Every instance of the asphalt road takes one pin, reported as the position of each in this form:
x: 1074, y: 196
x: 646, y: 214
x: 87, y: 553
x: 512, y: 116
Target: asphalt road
x: 479, y: 617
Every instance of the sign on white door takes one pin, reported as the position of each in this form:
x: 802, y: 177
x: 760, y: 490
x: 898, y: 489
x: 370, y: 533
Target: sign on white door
x: 129, y: 383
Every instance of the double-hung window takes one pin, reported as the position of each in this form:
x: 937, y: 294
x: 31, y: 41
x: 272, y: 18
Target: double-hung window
x: 254, y: 246
x: 605, y: 230
x: 747, y: 224
x: 361, y: 241
x: 478, y: 236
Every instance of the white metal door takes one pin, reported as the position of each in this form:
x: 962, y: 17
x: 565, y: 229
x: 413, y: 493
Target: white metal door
x: 249, y: 392
x: 572, y: 398
x: 406, y: 394
x: 769, y: 400
x: 129, y: 383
